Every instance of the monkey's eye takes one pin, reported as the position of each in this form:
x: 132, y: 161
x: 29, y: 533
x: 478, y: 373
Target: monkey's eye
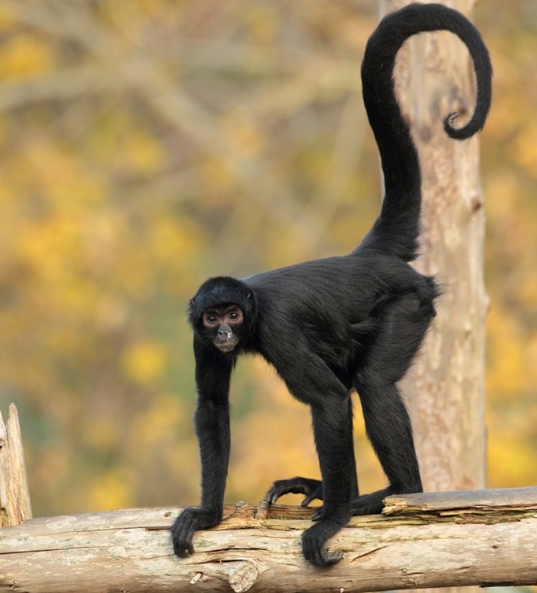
x: 234, y: 315
x: 211, y: 319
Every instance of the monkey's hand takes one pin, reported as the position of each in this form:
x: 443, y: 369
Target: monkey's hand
x: 314, y: 540
x: 190, y: 520
x: 311, y: 488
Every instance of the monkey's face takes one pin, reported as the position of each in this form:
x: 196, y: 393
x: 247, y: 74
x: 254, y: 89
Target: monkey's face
x: 223, y: 325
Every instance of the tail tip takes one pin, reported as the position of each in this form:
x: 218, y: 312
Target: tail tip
x: 472, y: 127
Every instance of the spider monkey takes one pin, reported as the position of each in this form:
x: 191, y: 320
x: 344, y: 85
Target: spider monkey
x: 332, y: 325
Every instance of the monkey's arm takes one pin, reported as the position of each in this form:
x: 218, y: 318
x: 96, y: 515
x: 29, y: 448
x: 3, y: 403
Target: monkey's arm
x: 312, y: 382
x: 312, y: 489
x: 213, y: 372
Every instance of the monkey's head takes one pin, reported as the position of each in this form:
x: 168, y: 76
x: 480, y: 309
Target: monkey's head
x: 223, y: 312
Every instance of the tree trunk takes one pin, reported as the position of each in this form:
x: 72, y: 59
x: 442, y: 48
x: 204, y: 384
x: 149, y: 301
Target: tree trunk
x: 483, y: 538
x: 445, y: 389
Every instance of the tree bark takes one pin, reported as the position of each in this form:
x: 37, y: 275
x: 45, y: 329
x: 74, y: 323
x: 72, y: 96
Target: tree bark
x: 15, y: 504
x: 427, y: 540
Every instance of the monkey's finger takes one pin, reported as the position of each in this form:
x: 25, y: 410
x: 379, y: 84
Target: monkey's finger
x: 182, y: 548
x: 331, y: 557
x: 182, y: 540
x: 271, y: 496
x: 319, y: 555
x: 182, y: 533
x: 309, y: 498
x: 318, y: 515
x: 277, y: 490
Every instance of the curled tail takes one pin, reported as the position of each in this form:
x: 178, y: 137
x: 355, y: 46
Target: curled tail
x: 397, y: 228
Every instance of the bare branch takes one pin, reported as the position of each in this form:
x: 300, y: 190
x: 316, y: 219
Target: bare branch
x: 69, y: 83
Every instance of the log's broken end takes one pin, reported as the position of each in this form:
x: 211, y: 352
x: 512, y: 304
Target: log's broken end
x: 15, y: 504
x: 476, y: 500
x: 262, y: 510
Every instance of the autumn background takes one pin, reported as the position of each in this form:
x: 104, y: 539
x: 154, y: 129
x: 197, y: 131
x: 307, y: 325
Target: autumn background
x: 148, y: 144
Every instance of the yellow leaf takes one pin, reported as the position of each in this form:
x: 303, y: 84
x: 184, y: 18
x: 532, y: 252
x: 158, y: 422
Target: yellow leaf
x: 141, y: 152
x: 144, y: 361
x: 25, y: 54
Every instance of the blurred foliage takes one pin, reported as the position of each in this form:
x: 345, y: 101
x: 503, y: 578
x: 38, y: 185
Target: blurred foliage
x: 509, y: 165
x: 148, y: 144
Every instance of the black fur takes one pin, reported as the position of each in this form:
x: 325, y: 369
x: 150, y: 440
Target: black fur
x: 332, y: 325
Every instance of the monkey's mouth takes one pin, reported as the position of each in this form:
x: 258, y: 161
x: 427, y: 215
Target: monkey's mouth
x: 226, y: 345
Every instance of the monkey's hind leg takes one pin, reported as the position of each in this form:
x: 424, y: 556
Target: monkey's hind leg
x: 401, y: 331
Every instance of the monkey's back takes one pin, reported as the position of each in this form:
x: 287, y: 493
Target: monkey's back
x: 332, y: 305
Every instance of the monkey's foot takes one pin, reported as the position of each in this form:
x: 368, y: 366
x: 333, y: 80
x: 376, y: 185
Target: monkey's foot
x: 367, y: 504
x: 372, y: 504
x: 311, y: 488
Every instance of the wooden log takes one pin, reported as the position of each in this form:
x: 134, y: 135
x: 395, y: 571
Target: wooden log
x: 15, y: 504
x: 446, y: 539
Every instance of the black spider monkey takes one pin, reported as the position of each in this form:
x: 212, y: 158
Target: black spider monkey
x: 331, y: 325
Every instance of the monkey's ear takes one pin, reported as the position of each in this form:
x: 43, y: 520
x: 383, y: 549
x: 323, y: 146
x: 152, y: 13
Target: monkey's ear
x: 249, y: 295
